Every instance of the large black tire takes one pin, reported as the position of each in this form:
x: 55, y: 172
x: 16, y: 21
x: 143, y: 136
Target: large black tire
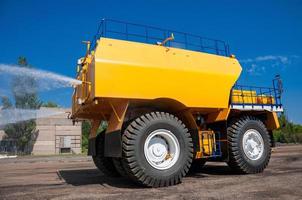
x: 118, y: 164
x: 197, y: 165
x: 104, y: 164
x: 239, y: 161
x: 137, y: 167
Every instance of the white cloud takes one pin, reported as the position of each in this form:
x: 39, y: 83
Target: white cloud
x: 255, y: 69
x: 259, y: 64
x: 282, y: 59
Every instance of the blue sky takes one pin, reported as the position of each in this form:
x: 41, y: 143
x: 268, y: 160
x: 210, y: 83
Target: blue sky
x: 264, y: 35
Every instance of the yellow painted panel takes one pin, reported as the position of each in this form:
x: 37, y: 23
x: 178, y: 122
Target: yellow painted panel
x: 134, y: 70
x: 206, y: 144
x: 244, y: 96
x: 251, y: 97
x: 220, y: 115
x: 263, y: 99
x: 272, y: 121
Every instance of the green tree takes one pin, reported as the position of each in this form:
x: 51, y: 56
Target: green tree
x: 288, y: 131
x: 6, y: 103
x: 86, y: 126
x: 50, y: 104
x: 24, y: 92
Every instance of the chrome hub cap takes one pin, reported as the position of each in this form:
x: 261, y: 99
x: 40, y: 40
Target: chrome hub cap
x: 161, y: 149
x: 253, y: 145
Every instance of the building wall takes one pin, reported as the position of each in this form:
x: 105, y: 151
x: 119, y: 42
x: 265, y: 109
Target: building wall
x: 2, y: 134
x: 54, y: 132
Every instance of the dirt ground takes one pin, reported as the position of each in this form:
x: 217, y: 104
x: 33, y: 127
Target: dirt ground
x: 75, y: 177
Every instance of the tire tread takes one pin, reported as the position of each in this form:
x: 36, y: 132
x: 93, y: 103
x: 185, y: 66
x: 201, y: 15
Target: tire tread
x: 236, y: 160
x: 130, y: 165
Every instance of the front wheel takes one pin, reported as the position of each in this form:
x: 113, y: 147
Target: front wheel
x: 249, y: 145
x: 157, y: 150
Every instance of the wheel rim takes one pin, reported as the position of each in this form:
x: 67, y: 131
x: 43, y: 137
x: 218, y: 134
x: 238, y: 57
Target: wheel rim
x: 253, y: 145
x: 161, y: 149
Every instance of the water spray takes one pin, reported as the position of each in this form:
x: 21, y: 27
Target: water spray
x: 45, y: 81
x: 54, y: 80
x: 14, y: 115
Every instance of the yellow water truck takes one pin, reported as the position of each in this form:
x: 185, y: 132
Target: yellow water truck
x: 171, y: 103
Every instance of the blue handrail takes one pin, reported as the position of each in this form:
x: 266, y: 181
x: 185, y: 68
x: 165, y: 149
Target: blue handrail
x: 149, y: 34
x: 258, y: 95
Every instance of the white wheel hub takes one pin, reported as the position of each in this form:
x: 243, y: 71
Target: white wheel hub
x: 253, y: 145
x: 161, y: 149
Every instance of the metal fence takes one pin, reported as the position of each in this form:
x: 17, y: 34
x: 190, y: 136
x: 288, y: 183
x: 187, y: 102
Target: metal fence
x: 258, y: 96
x: 152, y: 35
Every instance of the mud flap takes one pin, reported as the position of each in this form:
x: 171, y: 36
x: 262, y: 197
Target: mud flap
x: 113, y: 144
x: 92, y: 147
x: 195, y: 139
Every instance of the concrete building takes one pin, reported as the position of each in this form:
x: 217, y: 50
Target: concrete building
x: 55, y: 134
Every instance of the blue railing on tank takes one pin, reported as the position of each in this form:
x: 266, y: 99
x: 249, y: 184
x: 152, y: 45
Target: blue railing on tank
x: 152, y: 35
x: 258, y: 96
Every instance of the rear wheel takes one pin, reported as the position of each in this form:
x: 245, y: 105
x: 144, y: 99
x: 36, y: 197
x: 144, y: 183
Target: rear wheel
x: 104, y: 164
x: 249, y: 145
x: 118, y: 164
x: 157, y: 150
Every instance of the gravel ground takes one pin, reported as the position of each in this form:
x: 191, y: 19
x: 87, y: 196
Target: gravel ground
x: 75, y: 177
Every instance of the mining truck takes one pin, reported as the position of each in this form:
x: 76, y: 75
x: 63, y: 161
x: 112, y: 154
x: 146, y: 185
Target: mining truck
x: 171, y: 103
